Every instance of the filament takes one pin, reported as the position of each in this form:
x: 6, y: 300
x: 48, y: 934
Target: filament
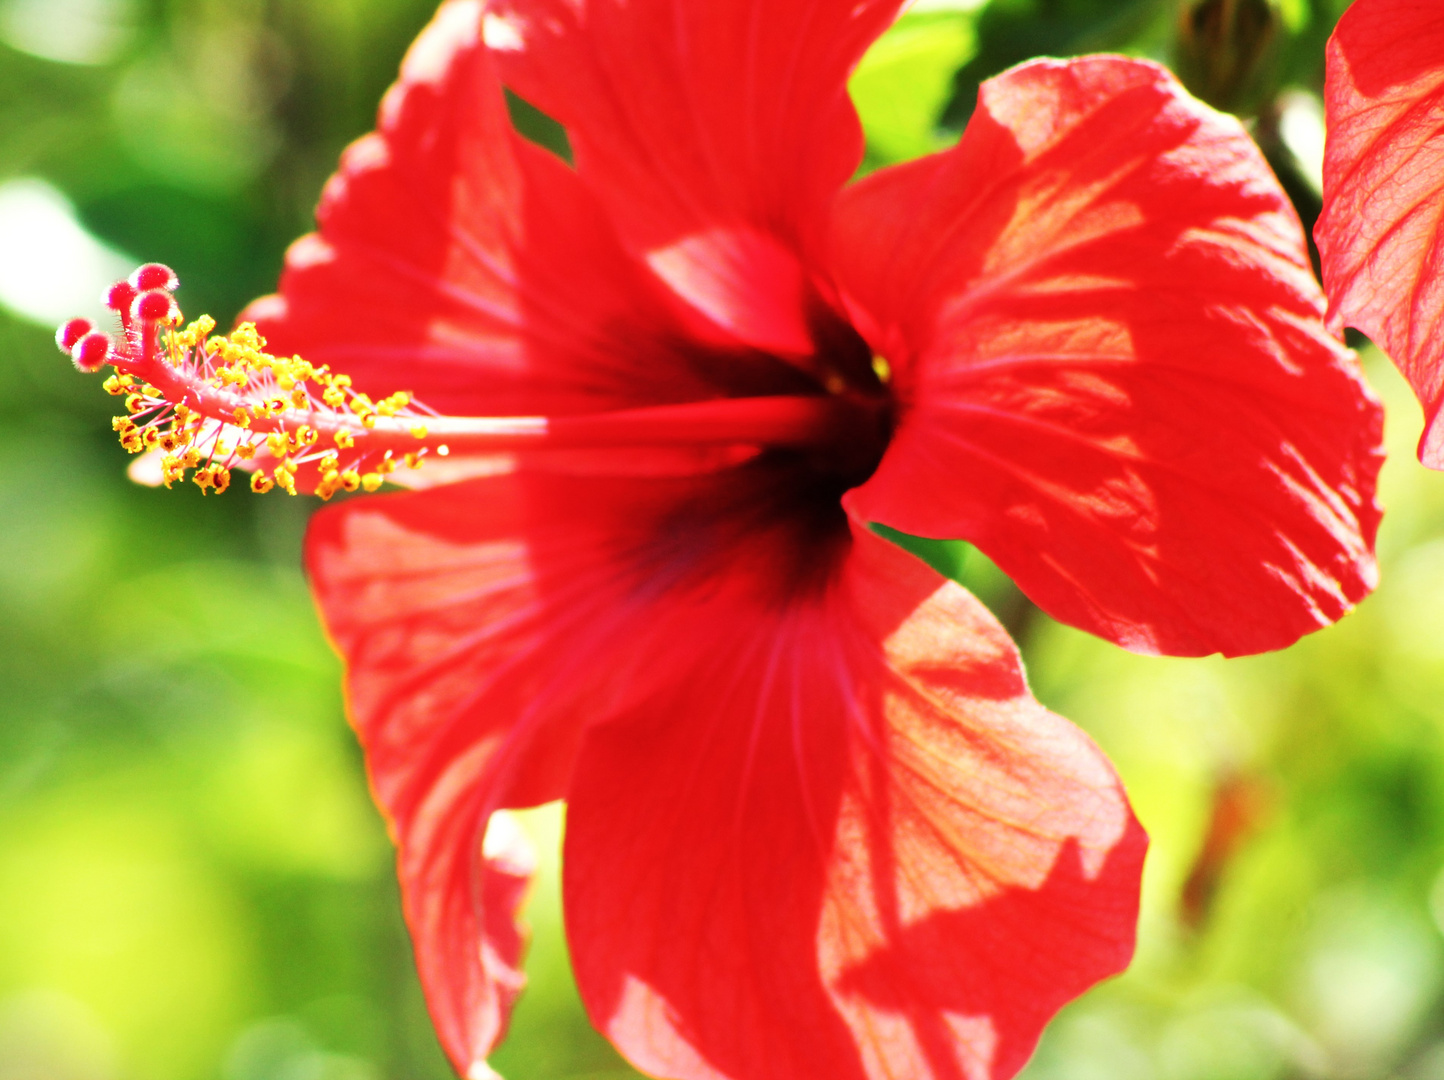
x: 209, y: 404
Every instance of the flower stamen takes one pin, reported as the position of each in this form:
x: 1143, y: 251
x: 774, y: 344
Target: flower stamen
x: 209, y: 404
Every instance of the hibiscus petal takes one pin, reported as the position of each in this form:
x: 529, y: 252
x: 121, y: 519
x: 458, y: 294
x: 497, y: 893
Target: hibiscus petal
x: 483, y: 623
x: 1113, y: 371
x: 467, y: 616
x: 1381, y: 234
x: 687, y: 118
x: 841, y: 841
x: 457, y: 260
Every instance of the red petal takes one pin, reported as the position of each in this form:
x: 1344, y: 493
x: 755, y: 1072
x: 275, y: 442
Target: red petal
x: 1381, y: 234
x: 1114, y: 373
x: 690, y: 117
x: 483, y: 624
x: 457, y: 261
x: 468, y: 616
x: 840, y: 840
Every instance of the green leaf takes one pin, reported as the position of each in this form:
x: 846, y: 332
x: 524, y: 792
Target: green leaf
x: 904, y: 82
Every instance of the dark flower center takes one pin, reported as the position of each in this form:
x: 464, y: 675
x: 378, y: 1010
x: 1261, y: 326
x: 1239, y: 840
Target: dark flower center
x: 778, y: 520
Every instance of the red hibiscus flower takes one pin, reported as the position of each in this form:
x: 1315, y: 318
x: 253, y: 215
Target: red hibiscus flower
x: 818, y: 829
x: 1381, y: 234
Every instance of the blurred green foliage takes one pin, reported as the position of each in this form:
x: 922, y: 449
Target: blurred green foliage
x: 193, y: 883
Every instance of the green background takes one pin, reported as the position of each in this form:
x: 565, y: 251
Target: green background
x: 193, y: 883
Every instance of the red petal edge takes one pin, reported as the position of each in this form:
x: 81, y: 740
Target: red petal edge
x: 1381, y: 234
x: 690, y: 117
x: 846, y: 844
x: 471, y: 618
x: 1115, y: 376
x: 456, y: 260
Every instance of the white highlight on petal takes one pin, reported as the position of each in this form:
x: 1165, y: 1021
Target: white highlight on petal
x: 430, y: 56
x: 745, y: 283
x: 68, y: 31
x: 51, y: 268
x: 641, y: 1009
x: 506, y: 842
x: 501, y: 34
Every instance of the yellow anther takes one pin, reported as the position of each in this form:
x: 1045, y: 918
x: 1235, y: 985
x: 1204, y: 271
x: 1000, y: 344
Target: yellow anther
x: 234, y: 387
x: 194, y: 334
x: 246, y: 337
x: 172, y: 469
x: 882, y: 369
x: 395, y: 403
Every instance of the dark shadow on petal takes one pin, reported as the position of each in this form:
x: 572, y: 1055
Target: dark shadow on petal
x: 1388, y: 43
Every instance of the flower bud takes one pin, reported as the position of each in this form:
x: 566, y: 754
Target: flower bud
x: 1226, y: 50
